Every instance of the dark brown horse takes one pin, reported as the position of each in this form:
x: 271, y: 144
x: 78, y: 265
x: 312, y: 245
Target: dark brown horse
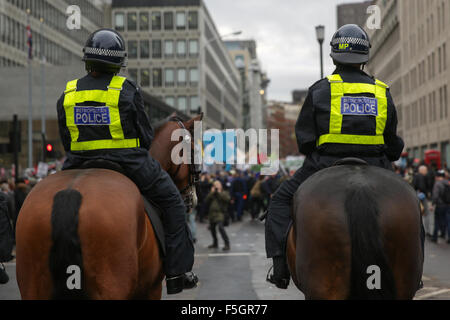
x: 117, y: 245
x: 348, y: 219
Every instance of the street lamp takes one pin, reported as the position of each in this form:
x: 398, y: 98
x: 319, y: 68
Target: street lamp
x: 320, y: 34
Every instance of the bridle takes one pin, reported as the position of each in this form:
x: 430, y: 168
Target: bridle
x: 188, y: 192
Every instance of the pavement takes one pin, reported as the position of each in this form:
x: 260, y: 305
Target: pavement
x: 240, y: 274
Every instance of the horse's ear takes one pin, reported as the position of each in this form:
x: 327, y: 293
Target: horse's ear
x: 189, y: 124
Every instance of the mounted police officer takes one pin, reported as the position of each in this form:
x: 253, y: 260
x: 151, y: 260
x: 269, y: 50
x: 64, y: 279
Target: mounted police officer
x: 347, y: 114
x: 101, y: 116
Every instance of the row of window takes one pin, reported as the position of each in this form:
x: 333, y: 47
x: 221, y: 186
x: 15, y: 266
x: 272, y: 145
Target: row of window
x: 183, y: 103
x: 5, y: 62
x: 179, y: 48
x: 14, y: 34
x: 426, y: 70
x: 56, y: 19
x: 168, y: 77
x: 169, y: 20
x: 425, y: 110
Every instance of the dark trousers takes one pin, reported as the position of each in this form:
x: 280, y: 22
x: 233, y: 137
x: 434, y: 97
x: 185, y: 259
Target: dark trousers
x: 278, y: 220
x: 255, y: 206
x: 239, y: 205
x: 222, y: 232
x: 440, y: 221
x: 157, y: 186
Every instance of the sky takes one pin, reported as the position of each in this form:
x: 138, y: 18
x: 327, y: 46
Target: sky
x: 284, y: 31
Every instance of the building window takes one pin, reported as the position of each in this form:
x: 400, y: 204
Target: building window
x: 193, y: 76
x: 169, y: 79
x: 157, y: 78
x: 131, y: 21
x: 143, y: 21
x: 181, y: 20
x: 193, y: 48
x: 145, y: 77
x: 132, y: 49
x: 181, y: 77
x: 181, y: 48
x: 133, y: 74
x: 119, y: 21
x: 170, y: 101
x: 145, y: 49
x: 156, y: 21
x: 182, y: 104
x: 156, y: 49
x: 168, y: 48
x: 168, y: 20
x: 194, y: 104
x: 193, y: 20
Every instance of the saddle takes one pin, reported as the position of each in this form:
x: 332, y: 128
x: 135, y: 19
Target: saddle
x: 154, y: 213
x: 350, y: 162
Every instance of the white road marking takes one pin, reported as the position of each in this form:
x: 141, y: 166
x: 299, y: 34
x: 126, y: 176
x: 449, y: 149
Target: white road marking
x: 432, y: 294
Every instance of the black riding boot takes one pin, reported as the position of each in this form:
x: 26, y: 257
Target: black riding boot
x: 178, y: 283
x: 281, y: 275
x: 3, y: 275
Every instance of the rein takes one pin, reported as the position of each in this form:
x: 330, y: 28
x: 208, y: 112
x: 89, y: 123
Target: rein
x: 188, y: 192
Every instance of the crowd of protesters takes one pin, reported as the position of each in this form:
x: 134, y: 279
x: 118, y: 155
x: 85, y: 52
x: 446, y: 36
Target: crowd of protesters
x: 433, y: 190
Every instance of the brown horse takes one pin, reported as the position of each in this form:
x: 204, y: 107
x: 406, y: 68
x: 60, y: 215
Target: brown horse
x: 347, y: 219
x: 118, y: 251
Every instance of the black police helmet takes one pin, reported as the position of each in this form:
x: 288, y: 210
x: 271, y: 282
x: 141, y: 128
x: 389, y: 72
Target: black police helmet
x: 350, y: 45
x: 105, y: 49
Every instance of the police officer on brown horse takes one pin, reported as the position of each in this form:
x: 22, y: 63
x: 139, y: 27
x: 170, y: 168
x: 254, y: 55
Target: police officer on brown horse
x: 101, y: 116
x: 347, y: 114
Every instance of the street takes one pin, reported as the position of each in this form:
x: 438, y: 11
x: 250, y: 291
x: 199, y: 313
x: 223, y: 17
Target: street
x: 240, y: 273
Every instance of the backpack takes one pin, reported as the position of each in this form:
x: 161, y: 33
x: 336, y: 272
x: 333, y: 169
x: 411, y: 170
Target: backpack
x: 446, y: 193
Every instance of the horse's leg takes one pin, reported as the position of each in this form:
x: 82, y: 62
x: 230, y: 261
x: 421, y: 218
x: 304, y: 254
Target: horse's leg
x: 323, y: 255
x: 291, y: 254
x: 400, y: 224
x: 150, y: 263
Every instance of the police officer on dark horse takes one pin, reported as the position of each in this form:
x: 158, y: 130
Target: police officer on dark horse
x: 101, y: 116
x: 347, y: 114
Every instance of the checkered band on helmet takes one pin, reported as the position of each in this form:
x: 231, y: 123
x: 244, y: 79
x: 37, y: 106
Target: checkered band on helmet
x: 351, y: 40
x: 105, y: 52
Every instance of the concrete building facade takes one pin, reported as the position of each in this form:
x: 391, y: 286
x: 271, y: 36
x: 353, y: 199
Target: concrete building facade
x: 177, y: 55
x: 410, y: 53
x: 352, y: 13
x: 254, y: 82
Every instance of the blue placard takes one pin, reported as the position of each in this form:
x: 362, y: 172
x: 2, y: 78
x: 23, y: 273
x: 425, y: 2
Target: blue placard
x: 359, y: 106
x: 92, y: 116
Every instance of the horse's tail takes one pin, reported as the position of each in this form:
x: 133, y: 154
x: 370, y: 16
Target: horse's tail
x: 66, y: 262
x: 367, y: 248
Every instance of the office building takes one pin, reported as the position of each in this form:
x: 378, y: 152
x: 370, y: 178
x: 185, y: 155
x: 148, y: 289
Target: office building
x: 353, y: 13
x: 177, y: 55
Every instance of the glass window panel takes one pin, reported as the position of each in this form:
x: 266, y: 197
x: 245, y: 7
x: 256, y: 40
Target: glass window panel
x: 145, y: 77
x: 157, y: 77
x: 133, y: 74
x: 181, y: 77
x: 193, y: 47
x: 181, y: 48
x: 156, y: 21
x: 156, y: 48
x: 193, y: 20
x: 119, y: 21
x: 169, y: 77
x: 132, y: 49
x: 181, y: 20
x: 194, y: 104
x: 145, y: 49
x: 143, y: 21
x: 168, y: 48
x: 168, y: 20
x: 132, y: 21
x: 182, y: 105
x: 193, y: 75
x: 170, y: 101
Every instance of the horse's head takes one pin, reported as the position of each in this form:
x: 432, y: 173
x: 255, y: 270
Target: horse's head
x: 185, y: 174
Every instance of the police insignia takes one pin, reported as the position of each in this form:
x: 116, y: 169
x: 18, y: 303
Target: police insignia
x: 359, y: 106
x: 91, y: 116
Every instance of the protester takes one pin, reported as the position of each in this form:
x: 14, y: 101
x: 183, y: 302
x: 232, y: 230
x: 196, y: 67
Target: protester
x: 238, y: 190
x: 256, y: 198
x: 422, y: 186
x: 6, y: 237
x: 217, y: 202
x: 441, y: 200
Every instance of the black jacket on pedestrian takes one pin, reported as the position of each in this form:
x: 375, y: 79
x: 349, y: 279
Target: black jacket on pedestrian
x: 6, y: 232
x: 311, y: 119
